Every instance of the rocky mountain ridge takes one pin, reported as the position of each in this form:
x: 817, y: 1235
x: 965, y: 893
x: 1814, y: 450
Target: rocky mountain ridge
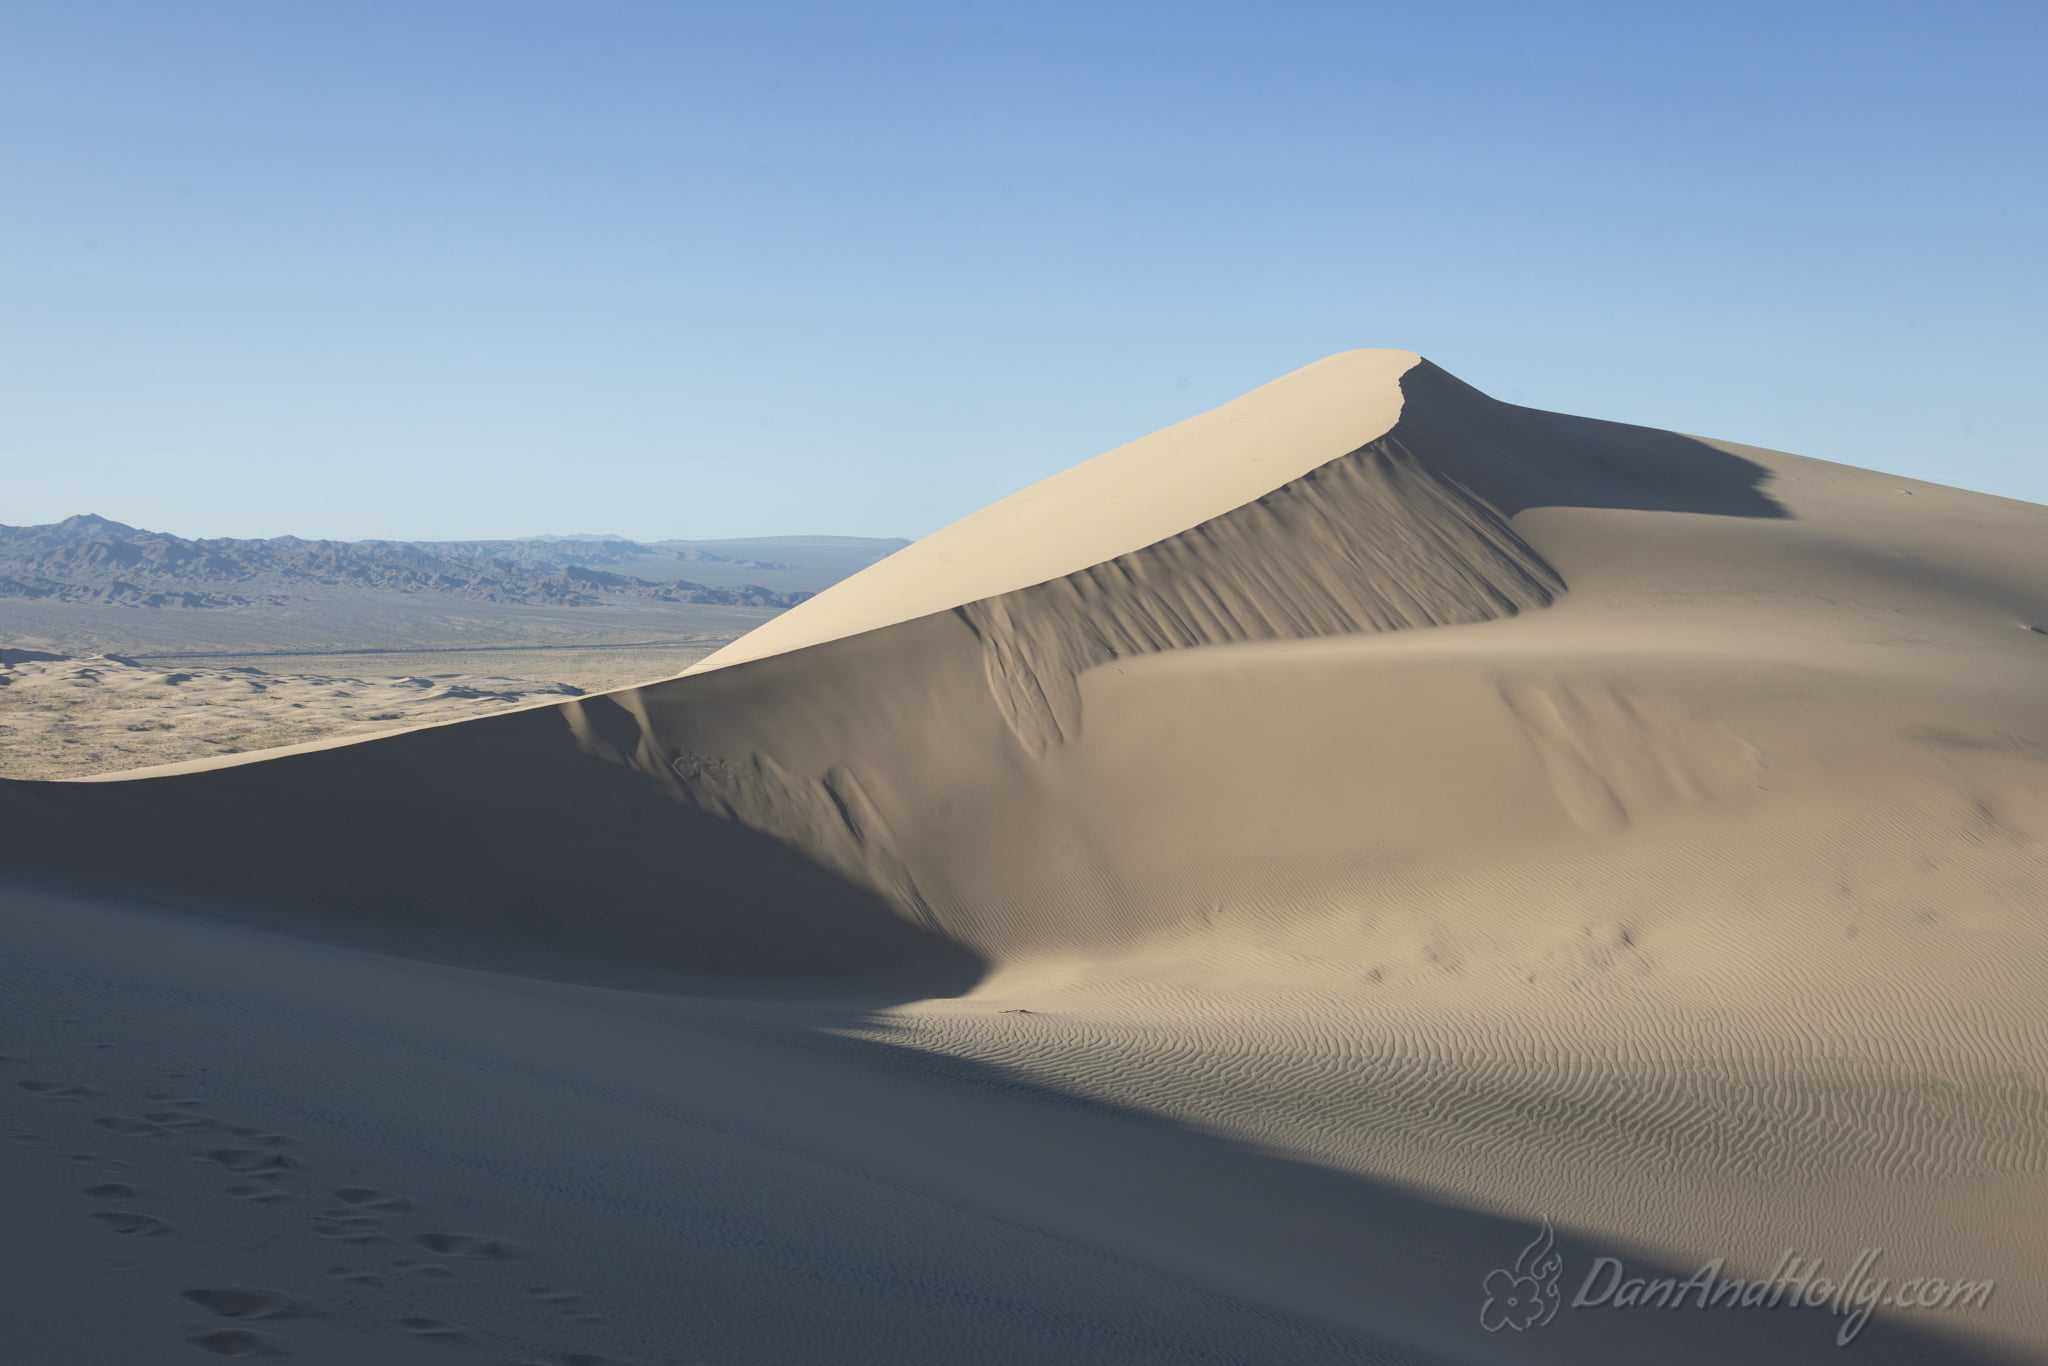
x: 91, y: 559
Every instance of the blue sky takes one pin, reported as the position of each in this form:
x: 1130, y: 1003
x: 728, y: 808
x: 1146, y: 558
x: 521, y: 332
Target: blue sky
x: 489, y: 269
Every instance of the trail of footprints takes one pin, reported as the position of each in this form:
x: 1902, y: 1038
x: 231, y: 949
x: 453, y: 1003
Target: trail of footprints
x: 358, y: 1217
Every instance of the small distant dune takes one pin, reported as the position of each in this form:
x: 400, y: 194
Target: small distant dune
x: 62, y: 717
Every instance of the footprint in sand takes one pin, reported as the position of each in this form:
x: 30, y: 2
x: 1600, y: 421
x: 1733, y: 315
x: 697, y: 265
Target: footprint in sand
x: 33, y: 1140
x: 134, y: 1128
x: 250, y: 1161
x: 135, y: 1225
x: 354, y: 1276
x: 561, y: 1299
x: 235, y: 1302
x: 56, y: 1090
x: 573, y: 1306
x: 431, y: 1328
x: 349, y: 1228
x: 468, y: 1245
x: 112, y: 1190
x: 260, y: 1195
x: 99, y: 1164
x: 236, y: 1343
x: 368, y: 1197
x: 425, y: 1271
x: 180, y: 1122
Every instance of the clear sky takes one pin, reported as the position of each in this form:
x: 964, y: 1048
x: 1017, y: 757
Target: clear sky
x: 462, y: 268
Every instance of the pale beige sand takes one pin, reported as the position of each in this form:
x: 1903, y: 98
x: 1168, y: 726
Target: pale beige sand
x: 62, y: 717
x: 1226, y: 948
x: 592, y: 668
x: 68, y: 717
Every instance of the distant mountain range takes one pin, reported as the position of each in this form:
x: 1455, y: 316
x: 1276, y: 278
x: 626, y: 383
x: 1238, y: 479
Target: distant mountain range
x: 90, y: 559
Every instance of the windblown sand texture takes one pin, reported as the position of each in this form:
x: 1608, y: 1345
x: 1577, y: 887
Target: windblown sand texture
x: 1211, y: 906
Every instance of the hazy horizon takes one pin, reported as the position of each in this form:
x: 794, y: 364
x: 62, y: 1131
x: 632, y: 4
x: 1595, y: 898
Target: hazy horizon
x: 524, y: 536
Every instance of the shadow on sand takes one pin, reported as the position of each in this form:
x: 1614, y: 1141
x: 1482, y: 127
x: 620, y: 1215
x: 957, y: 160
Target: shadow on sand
x: 771, y: 1182
x: 500, y: 839
x: 1521, y: 458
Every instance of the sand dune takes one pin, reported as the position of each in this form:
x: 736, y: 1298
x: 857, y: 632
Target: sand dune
x: 66, y: 717
x: 1212, y: 906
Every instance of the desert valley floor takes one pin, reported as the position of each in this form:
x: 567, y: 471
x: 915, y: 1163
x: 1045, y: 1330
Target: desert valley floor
x: 1219, y: 905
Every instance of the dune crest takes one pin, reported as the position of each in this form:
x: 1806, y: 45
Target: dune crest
x: 1121, y: 501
